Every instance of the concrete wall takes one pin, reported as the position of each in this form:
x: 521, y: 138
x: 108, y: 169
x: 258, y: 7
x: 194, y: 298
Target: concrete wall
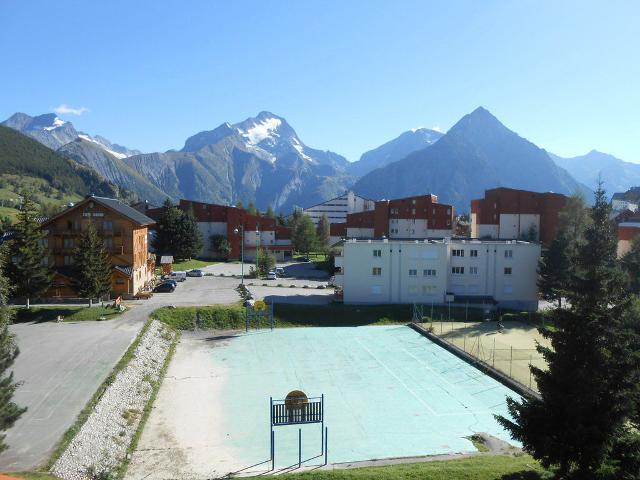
x: 359, y: 232
x: 514, y: 225
x: 406, y: 271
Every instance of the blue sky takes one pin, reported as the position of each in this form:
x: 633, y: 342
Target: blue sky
x: 347, y: 75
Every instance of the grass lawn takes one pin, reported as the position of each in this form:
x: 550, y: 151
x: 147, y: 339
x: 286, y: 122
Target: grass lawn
x: 191, y: 264
x: 33, y: 475
x: 78, y: 313
x: 499, y: 467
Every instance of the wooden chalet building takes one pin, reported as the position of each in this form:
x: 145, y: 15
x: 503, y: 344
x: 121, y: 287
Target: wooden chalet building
x: 124, y: 232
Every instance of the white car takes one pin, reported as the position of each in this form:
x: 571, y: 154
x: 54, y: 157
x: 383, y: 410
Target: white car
x: 280, y: 271
x: 272, y: 275
x: 177, y: 276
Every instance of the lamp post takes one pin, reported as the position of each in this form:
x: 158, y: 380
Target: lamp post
x: 240, y: 229
x: 258, y: 248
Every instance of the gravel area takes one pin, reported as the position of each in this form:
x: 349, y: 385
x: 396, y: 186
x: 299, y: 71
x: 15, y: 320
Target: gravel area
x: 101, y: 444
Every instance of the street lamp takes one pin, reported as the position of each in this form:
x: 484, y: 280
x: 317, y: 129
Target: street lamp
x: 240, y: 229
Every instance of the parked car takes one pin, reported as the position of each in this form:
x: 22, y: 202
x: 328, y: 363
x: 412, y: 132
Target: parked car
x: 165, y: 287
x: 280, y: 271
x: 272, y: 275
x: 169, y: 280
x: 195, y: 273
x: 177, y: 276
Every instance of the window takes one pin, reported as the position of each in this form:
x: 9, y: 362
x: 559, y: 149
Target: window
x: 473, y: 270
x: 508, y: 254
x: 457, y: 270
x: 428, y: 273
x: 413, y: 211
x: 473, y: 253
x: 68, y: 243
x: 428, y: 289
x: 377, y: 253
x: 108, y: 243
x: 376, y: 271
x: 45, y: 261
x: 507, y: 270
x: 68, y: 260
x: 413, y: 272
x: 107, y: 225
x: 457, y: 253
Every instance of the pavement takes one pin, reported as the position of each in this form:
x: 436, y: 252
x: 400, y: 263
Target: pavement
x: 61, y: 365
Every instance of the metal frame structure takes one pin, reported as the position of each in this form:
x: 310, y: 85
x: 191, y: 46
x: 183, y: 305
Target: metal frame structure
x: 312, y: 411
x: 252, y: 313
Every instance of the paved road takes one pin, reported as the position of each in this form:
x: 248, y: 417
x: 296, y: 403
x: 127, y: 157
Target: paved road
x: 61, y: 365
x: 292, y: 270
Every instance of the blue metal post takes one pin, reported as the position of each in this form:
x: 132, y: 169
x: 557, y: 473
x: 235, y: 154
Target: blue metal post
x: 326, y: 443
x: 299, y: 447
x: 322, y: 426
x: 273, y: 450
x: 272, y: 435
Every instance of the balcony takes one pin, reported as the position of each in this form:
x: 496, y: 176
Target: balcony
x: 74, y: 232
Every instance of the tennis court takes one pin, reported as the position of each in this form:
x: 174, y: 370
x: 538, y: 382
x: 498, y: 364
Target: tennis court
x: 389, y: 392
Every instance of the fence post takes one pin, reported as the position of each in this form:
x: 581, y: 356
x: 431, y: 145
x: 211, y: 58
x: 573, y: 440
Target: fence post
x: 494, y: 352
x: 511, y: 362
x: 299, y: 447
x: 326, y: 443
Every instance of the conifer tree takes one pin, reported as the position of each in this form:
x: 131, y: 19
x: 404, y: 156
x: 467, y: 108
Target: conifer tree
x: 91, y: 265
x: 239, y: 204
x: 630, y: 263
x: 166, y: 239
x: 27, y: 271
x: 270, y: 213
x: 281, y: 220
x: 589, y: 392
x: 555, y: 269
x: 9, y: 411
x: 189, y: 239
x: 323, y: 231
x: 251, y: 209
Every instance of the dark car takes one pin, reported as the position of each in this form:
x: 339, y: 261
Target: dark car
x: 171, y: 281
x: 195, y: 273
x: 165, y: 287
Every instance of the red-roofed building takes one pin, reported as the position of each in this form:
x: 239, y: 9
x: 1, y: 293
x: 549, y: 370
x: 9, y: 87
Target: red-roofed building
x: 412, y: 217
x: 507, y: 213
x: 223, y: 220
x: 627, y: 231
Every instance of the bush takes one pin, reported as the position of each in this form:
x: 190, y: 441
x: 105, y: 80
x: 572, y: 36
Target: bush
x: 219, y: 317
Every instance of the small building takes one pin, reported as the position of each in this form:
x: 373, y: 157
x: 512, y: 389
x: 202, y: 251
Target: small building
x: 434, y: 271
x: 166, y: 263
x: 507, y: 213
x: 124, y: 232
x: 338, y: 208
x: 627, y: 231
x: 621, y: 201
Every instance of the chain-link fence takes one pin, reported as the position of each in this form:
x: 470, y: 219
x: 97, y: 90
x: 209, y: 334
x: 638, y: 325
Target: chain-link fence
x: 509, y: 350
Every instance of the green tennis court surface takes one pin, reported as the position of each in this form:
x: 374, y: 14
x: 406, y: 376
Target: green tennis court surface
x: 389, y: 392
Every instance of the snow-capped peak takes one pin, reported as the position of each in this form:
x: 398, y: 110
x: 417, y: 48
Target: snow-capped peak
x: 261, y: 130
x: 298, y: 146
x: 57, y: 122
x: 89, y: 138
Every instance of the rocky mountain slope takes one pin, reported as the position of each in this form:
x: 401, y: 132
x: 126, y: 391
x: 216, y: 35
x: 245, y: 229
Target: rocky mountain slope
x: 477, y: 153
x: 260, y: 159
x: 617, y: 175
x: 394, y: 150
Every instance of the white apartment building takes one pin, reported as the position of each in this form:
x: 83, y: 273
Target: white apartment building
x: 619, y: 203
x: 425, y: 271
x: 337, y: 208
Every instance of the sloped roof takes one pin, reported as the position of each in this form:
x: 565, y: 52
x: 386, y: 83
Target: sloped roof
x: 125, y: 269
x: 123, y: 209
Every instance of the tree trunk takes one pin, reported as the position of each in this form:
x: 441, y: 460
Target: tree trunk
x: 90, y: 302
x: 27, y: 303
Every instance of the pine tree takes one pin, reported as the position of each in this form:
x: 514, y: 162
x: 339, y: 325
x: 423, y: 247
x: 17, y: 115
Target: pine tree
x: 589, y: 392
x: 189, y: 239
x: 9, y: 411
x: 91, y: 265
x: 555, y: 269
x: 26, y: 270
x: 630, y: 263
x: 323, y: 231
x: 281, y: 220
x: 265, y: 262
x: 304, y: 235
x: 270, y: 213
x: 575, y: 218
x: 239, y: 204
x: 251, y: 209
x: 220, y: 246
x: 166, y: 239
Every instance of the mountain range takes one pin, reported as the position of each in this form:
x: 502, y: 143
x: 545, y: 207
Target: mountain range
x: 477, y: 153
x: 262, y: 160
x: 616, y: 175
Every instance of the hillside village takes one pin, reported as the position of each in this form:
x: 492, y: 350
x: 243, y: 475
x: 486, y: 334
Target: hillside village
x: 323, y: 241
